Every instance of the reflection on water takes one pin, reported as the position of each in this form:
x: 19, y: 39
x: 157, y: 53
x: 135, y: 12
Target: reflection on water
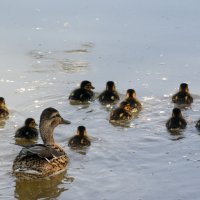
x: 2, y: 123
x: 60, y: 60
x: 176, y: 134
x: 50, y: 188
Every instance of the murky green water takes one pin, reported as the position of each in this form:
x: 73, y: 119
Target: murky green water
x: 49, y: 47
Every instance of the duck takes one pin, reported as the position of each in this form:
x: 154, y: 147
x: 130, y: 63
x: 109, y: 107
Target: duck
x: 4, y: 113
x: 176, y: 121
x: 80, y: 139
x: 28, y: 131
x: 121, y: 113
x: 109, y: 95
x: 198, y: 125
x: 182, y: 96
x: 43, y: 160
x: 82, y: 95
x: 135, y: 104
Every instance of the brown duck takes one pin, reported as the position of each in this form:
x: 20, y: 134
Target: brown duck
x: 43, y: 160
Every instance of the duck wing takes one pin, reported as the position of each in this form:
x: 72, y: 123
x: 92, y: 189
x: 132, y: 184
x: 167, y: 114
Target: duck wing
x: 41, y: 151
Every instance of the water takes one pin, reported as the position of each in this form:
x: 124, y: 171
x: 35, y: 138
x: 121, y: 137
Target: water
x: 48, y: 47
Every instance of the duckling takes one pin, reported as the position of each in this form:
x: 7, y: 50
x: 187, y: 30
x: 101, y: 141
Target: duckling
x: 28, y: 131
x: 176, y: 121
x: 43, y: 160
x: 4, y: 113
x: 80, y: 139
x: 84, y: 94
x: 110, y: 95
x: 122, y: 113
x: 198, y: 125
x: 182, y: 96
x: 135, y: 105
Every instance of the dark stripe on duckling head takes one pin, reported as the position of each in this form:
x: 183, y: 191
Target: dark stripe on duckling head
x: 130, y: 93
x: 176, y: 112
x: 81, y: 131
x: 184, y: 87
x: 110, y: 85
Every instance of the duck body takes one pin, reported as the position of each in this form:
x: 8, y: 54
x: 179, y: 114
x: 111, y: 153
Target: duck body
x: 176, y: 121
x: 28, y: 131
x: 4, y: 113
x: 182, y: 96
x: 135, y: 105
x: 109, y: 95
x: 121, y: 114
x: 198, y: 125
x: 84, y: 94
x: 80, y: 139
x: 42, y: 160
x: 39, y: 161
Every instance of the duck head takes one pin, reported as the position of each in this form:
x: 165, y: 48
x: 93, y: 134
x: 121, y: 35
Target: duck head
x: 81, y: 131
x: 125, y: 105
x: 49, y: 120
x: 176, y: 112
x: 130, y: 93
x: 2, y: 102
x: 30, y: 122
x: 183, y: 87
x: 87, y: 85
x: 110, y: 85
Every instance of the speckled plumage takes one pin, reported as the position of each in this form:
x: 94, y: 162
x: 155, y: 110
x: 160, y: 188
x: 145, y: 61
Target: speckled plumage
x: 122, y: 113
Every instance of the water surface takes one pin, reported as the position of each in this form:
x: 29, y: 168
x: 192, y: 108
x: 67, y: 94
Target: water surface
x: 48, y: 47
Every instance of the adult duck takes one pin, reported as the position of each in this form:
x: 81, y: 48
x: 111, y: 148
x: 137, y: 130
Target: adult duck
x: 43, y: 160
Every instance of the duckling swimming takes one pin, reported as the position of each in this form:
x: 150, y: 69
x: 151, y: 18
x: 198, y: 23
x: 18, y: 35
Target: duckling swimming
x: 182, y: 96
x: 42, y: 160
x: 110, y: 95
x: 176, y: 121
x: 84, y: 94
x: 28, y: 131
x: 122, y: 113
x: 4, y: 113
x: 80, y: 139
x: 198, y: 125
x: 135, y: 105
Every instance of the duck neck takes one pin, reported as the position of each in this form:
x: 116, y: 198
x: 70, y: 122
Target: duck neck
x: 46, y: 133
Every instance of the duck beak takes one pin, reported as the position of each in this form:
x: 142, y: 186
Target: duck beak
x: 92, y: 87
x: 64, y: 121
